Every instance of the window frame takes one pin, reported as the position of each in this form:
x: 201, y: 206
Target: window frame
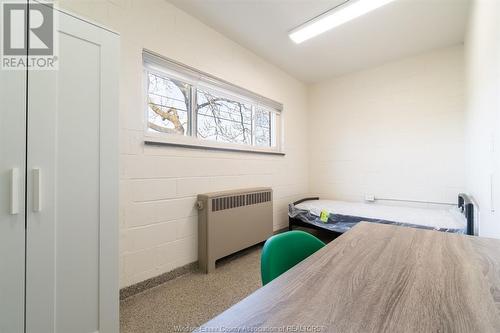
x: 157, y: 65
x: 145, y: 98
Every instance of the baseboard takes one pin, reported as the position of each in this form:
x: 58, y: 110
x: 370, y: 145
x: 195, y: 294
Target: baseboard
x: 279, y: 231
x: 157, y: 280
x: 162, y: 278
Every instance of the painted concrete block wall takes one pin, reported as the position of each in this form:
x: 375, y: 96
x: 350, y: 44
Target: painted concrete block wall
x: 395, y: 131
x: 483, y: 113
x: 158, y: 185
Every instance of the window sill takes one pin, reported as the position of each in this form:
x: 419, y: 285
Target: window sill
x: 208, y: 146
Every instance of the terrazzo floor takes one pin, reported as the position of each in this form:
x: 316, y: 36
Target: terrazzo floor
x: 192, y: 299
x: 184, y: 303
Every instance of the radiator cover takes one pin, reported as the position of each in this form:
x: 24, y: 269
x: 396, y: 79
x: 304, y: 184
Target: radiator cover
x: 231, y: 221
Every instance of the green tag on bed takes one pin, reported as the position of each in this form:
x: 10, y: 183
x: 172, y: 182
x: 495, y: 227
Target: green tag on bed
x: 324, y: 216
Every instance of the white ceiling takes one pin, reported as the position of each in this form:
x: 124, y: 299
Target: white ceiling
x: 402, y: 28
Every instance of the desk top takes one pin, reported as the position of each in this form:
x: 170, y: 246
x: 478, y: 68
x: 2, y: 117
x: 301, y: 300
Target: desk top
x: 381, y: 278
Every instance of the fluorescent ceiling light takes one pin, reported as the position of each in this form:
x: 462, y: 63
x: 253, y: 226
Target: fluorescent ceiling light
x: 341, y: 14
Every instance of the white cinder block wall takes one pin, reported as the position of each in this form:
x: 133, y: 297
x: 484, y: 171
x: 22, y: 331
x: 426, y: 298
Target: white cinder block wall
x: 158, y: 222
x: 483, y: 113
x: 395, y: 131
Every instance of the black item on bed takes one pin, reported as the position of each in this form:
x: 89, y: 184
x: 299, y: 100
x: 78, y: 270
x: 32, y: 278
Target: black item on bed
x: 467, y: 207
x: 338, y: 223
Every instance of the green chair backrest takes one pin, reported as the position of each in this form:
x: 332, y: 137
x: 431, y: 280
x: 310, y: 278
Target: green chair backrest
x: 283, y: 251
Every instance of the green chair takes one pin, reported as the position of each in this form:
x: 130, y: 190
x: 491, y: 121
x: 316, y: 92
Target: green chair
x: 283, y: 251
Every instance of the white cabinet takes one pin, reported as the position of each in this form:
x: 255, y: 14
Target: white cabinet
x: 12, y: 209
x: 59, y: 130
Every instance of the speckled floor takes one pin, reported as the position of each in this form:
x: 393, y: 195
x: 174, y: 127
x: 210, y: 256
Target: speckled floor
x: 192, y: 299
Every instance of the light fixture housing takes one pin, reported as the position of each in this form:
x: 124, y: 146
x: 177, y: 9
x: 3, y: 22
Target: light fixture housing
x: 345, y: 12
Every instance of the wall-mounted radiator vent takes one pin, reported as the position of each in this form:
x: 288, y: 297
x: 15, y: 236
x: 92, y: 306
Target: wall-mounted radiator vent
x: 235, y: 201
x: 230, y: 221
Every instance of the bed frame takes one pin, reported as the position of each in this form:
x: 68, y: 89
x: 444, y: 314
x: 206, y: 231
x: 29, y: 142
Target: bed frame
x: 465, y: 204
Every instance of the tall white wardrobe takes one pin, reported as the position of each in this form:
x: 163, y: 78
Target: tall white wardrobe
x: 59, y: 187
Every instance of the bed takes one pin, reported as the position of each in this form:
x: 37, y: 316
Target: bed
x: 343, y: 215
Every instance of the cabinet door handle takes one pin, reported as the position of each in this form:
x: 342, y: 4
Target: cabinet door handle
x: 492, y: 193
x: 14, y: 191
x: 37, y: 190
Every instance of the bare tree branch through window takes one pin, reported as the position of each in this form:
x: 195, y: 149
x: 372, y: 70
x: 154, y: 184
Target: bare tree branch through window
x: 222, y: 119
x: 218, y: 118
x: 168, y: 102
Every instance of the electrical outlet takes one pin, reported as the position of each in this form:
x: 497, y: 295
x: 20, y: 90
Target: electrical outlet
x: 369, y: 197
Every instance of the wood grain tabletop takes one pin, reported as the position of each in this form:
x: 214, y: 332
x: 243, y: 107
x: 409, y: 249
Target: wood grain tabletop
x: 380, y: 278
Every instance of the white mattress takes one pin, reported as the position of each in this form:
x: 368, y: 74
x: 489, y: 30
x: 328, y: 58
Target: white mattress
x: 431, y: 217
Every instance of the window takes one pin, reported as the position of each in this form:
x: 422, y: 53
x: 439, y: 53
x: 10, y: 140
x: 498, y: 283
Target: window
x: 191, y: 108
x: 168, y: 102
x: 264, y: 121
x: 222, y: 119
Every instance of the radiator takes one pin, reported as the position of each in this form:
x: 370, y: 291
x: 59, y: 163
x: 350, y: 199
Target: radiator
x: 231, y: 221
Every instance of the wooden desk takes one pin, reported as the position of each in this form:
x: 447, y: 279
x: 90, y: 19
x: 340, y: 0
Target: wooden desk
x: 381, y: 278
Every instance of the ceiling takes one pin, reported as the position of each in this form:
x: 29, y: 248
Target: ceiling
x: 401, y: 28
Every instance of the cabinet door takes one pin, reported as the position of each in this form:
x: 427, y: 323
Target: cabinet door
x: 72, y: 229
x: 12, y: 218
